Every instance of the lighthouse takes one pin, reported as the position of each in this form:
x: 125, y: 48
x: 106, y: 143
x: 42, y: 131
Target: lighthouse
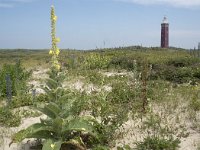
x: 165, y: 33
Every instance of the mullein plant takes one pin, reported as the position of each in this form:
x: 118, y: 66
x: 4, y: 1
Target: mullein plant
x: 64, y: 128
x: 54, y: 88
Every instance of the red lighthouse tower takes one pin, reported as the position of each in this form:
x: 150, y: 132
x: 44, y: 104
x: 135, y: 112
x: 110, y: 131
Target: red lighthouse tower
x: 164, y: 33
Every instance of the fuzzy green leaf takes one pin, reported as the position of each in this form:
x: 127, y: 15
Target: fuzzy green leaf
x: 52, y: 110
x: 65, y: 97
x: 67, y: 108
x: 52, y: 84
x: 59, y: 91
x: 57, y: 125
x: 48, y: 121
x: 51, y: 145
x: 37, y: 130
x: 79, y: 124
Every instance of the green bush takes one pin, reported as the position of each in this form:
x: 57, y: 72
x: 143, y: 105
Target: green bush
x: 178, y: 70
x: 123, y: 62
x: 158, y: 89
x: 125, y: 147
x: 155, y: 143
x: 96, y: 60
x: 18, y: 76
x: 121, y: 93
x: 175, y: 74
x: 94, y: 77
x: 195, y: 103
x: 159, y: 136
x: 196, y: 72
x: 183, y: 61
x: 112, y: 116
x: 8, y: 119
x: 21, y: 100
x: 72, y: 60
x: 178, y: 75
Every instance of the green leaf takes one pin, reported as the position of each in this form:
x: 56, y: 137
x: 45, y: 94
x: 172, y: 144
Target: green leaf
x: 51, y: 145
x: 48, y: 121
x: 65, y: 97
x: 52, y: 84
x: 67, y: 108
x: 37, y: 130
x: 79, y: 124
x: 57, y: 125
x: 59, y: 91
x: 52, y: 110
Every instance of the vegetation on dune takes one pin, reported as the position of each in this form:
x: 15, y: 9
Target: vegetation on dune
x: 145, y: 85
x: 18, y: 77
x: 134, y: 88
x: 64, y: 127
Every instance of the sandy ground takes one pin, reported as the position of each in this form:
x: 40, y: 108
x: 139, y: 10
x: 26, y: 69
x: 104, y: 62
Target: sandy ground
x: 7, y: 133
x: 88, y: 88
x: 130, y: 132
x: 38, y: 78
x: 183, y: 127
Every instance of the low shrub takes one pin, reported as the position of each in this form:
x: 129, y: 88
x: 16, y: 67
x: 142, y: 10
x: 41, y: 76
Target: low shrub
x: 21, y: 100
x: 158, y: 89
x: 18, y: 76
x: 175, y: 74
x: 156, y: 143
x: 183, y: 61
x: 123, y: 62
x: 94, y: 77
x: 195, y: 103
x: 121, y: 93
x: 125, y: 147
x: 160, y: 136
x: 8, y: 119
x: 95, y: 60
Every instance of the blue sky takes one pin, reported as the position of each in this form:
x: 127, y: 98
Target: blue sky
x: 87, y: 24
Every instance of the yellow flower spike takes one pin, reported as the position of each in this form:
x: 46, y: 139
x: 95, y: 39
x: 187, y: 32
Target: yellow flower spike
x: 52, y: 146
x: 50, y: 52
x: 57, y: 40
x: 57, y: 51
x: 57, y: 67
x: 54, y: 50
x: 55, y: 18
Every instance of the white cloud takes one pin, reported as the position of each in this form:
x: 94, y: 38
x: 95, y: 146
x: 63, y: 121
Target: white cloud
x: 176, y: 3
x: 12, y: 3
